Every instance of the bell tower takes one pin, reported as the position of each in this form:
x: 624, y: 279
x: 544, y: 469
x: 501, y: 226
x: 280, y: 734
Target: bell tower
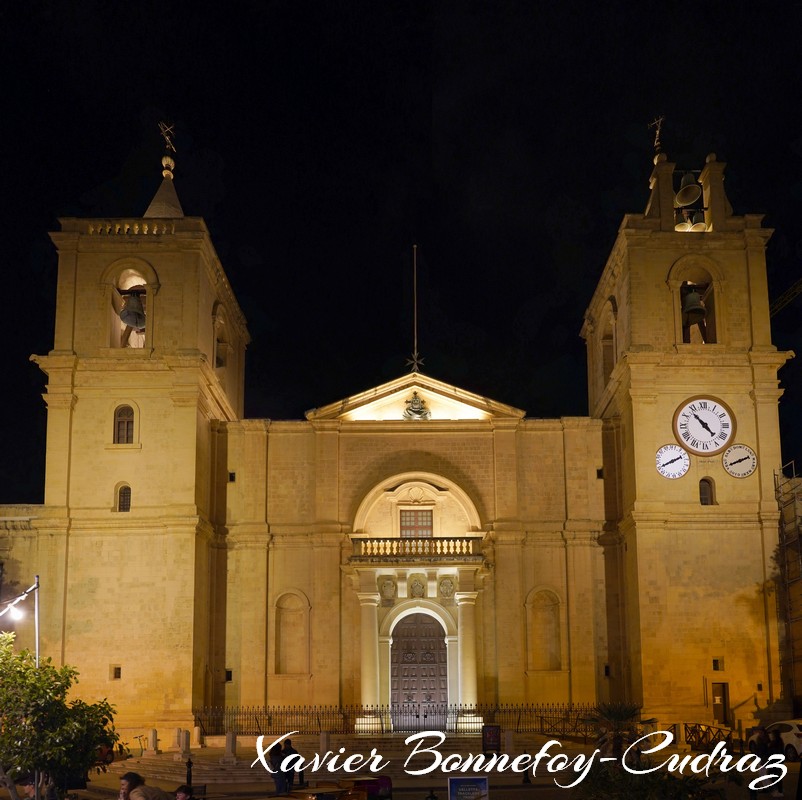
x: 148, y: 360
x: 683, y: 373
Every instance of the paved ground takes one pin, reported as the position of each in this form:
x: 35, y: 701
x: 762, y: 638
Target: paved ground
x: 105, y: 786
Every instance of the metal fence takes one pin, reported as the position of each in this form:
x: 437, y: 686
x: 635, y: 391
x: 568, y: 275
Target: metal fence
x: 706, y: 737
x: 557, y: 720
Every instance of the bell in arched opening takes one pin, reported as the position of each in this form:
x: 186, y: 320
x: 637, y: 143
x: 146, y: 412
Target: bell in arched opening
x: 693, y: 313
x: 133, y: 312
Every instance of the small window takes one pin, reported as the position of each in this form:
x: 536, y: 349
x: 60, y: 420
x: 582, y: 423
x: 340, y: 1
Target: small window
x: 718, y: 665
x: 115, y: 672
x: 229, y: 675
x: 124, y: 499
x: 706, y: 494
x: 416, y: 524
x: 124, y: 425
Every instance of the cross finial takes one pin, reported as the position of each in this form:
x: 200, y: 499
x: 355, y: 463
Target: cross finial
x: 657, y: 124
x: 168, y: 132
x: 168, y: 163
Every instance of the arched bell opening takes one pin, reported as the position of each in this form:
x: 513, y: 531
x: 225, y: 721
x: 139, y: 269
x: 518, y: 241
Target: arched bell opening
x: 609, y: 348
x: 129, y: 287
x: 697, y: 301
x: 696, y: 283
x: 129, y: 303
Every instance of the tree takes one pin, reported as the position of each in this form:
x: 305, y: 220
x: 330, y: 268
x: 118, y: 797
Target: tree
x: 40, y: 729
x: 617, y: 725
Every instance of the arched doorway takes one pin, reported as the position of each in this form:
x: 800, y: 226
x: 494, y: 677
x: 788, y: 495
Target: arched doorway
x: 419, y: 674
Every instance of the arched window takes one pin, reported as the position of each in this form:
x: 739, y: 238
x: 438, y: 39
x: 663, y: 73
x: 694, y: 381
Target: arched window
x: 124, y: 498
x: 124, y: 425
x: 706, y: 493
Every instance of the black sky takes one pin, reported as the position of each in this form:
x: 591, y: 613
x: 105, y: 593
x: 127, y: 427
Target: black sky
x: 320, y: 140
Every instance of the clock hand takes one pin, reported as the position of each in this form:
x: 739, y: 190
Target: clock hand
x: 671, y: 461
x: 703, y: 424
x: 739, y: 460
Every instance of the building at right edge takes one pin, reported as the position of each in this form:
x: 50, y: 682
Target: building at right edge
x: 684, y: 375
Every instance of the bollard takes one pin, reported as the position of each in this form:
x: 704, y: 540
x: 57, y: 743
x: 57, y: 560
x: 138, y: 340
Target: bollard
x: 153, y: 742
x: 189, y: 772
x: 231, y: 749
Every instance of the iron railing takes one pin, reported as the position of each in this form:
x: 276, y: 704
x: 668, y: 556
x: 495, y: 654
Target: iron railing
x: 555, y: 720
x: 706, y: 737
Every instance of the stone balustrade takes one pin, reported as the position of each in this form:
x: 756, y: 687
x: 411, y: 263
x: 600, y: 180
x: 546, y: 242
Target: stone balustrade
x: 130, y: 227
x: 450, y: 548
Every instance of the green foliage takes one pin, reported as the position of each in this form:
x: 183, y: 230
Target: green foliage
x: 40, y: 729
x: 617, y: 724
x: 611, y: 782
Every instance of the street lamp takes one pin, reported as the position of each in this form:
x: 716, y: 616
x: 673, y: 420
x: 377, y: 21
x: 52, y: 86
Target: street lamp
x: 16, y: 613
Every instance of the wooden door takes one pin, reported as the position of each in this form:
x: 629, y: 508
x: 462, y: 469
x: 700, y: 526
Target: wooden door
x: 418, y: 674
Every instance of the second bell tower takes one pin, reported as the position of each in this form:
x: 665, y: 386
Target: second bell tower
x: 148, y: 358
x: 683, y: 372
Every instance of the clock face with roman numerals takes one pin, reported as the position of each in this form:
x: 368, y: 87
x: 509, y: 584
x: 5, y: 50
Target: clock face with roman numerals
x: 704, y: 425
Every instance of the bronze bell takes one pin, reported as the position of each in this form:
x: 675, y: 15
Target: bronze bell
x: 693, y: 309
x: 698, y: 222
x: 133, y: 313
x: 689, y: 191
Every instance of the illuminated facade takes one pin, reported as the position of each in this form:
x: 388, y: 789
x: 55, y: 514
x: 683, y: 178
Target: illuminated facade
x: 414, y: 543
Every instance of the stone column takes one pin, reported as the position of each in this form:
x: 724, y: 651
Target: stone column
x: 466, y: 604
x: 369, y: 601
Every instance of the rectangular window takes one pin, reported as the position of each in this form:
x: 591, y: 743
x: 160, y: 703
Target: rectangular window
x: 416, y: 524
x: 115, y: 672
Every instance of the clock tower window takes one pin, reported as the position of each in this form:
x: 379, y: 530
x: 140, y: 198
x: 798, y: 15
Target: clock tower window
x: 707, y: 495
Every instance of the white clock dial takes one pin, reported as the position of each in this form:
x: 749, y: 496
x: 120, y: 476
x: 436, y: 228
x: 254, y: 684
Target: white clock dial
x: 704, y: 425
x: 672, y: 461
x: 739, y: 460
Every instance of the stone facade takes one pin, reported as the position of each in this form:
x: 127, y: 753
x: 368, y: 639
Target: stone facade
x: 190, y: 557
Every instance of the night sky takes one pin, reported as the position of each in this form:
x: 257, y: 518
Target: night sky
x: 321, y: 140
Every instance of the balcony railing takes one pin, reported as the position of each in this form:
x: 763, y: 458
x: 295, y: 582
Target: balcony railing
x: 446, y: 548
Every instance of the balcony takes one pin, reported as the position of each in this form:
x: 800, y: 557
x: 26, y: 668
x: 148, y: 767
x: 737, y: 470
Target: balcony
x: 436, y: 550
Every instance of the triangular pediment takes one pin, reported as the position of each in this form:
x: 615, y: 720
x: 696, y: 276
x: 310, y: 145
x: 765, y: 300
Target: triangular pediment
x: 414, y: 398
